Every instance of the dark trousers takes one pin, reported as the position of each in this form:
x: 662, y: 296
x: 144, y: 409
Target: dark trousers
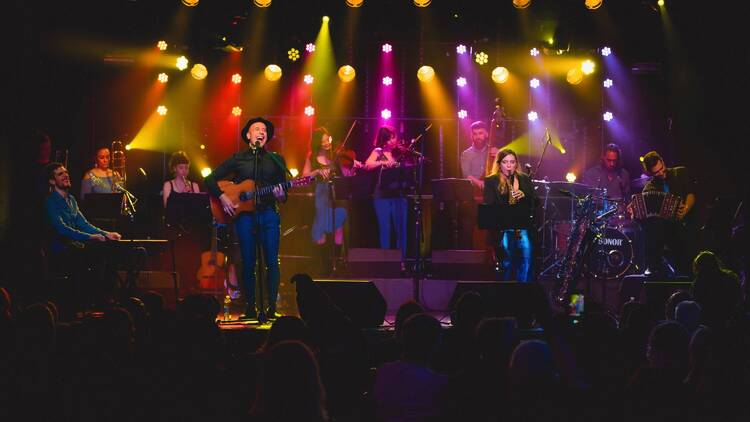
x: 267, y: 228
x: 678, y: 237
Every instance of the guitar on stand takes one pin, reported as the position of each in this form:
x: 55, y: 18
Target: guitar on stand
x: 213, y: 265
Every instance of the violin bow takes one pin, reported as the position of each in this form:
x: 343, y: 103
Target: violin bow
x: 341, y: 147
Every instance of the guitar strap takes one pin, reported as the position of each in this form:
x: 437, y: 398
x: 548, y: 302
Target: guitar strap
x: 281, y: 165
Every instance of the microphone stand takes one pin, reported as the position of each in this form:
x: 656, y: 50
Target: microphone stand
x: 258, y: 233
x: 547, y: 142
x: 335, y: 168
x: 418, y: 269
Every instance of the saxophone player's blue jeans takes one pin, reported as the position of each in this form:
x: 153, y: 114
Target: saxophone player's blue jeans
x: 517, y: 259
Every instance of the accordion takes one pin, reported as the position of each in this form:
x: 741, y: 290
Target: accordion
x: 655, y: 204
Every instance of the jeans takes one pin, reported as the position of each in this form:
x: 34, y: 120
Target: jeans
x: 269, y: 231
x: 391, y: 212
x: 517, y: 259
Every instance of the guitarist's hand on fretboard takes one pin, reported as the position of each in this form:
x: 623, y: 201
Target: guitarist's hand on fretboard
x: 279, y: 193
x: 227, y: 204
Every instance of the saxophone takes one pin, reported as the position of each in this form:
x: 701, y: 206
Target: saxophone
x: 572, y: 263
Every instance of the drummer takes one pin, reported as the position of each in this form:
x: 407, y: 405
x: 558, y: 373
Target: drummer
x: 610, y: 175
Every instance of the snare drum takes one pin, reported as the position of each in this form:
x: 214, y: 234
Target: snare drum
x: 611, y: 255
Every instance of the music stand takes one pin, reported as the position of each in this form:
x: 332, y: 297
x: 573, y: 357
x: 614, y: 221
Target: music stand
x: 456, y: 191
x: 103, y: 209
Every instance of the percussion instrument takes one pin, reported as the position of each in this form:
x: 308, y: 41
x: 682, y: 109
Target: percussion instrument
x: 611, y: 255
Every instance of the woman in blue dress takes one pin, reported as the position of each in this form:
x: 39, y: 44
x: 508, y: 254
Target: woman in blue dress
x: 322, y: 164
x: 100, y: 178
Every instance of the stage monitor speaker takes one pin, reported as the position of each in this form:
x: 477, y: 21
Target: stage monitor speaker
x: 651, y: 292
x: 359, y: 299
x: 374, y: 262
x: 524, y: 301
x: 461, y: 263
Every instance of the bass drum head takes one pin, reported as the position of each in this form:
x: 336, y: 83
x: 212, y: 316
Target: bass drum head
x: 611, y: 255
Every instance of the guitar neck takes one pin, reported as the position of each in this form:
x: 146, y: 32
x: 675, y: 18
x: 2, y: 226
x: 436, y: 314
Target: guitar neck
x: 266, y: 190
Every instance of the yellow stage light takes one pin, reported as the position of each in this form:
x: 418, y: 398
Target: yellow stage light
x: 163, y: 78
x: 481, y: 58
x: 161, y: 110
x: 293, y: 54
x: 294, y: 172
x: 500, y: 75
x: 574, y: 76
x: 205, y: 171
x: 190, y: 3
x: 236, y: 111
x: 660, y: 3
x: 272, y: 72
x: 521, y: 4
x: 593, y: 4
x: 262, y: 3
x: 199, y: 71
x: 354, y: 3
x: 161, y: 45
x: 347, y: 73
x: 570, y: 177
x: 426, y: 73
x: 128, y: 147
x: 588, y: 67
x: 326, y: 19
x: 182, y: 63
x: 422, y: 3
x: 203, y: 146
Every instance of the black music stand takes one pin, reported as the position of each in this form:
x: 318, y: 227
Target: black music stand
x: 184, y: 213
x: 456, y: 191
x: 103, y: 209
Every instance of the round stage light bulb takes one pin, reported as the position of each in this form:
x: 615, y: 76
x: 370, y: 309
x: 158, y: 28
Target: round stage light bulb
x: 161, y: 110
x: 500, y: 75
x: 205, y: 171
x: 387, y: 81
x: 461, y: 82
x: 521, y: 4
x: 161, y: 45
x: 272, y: 72
x: 199, y: 71
x: 310, y: 47
x: 462, y: 114
x: 461, y: 49
x: 236, y: 78
x: 570, y: 177
x: 608, y: 116
x: 533, y: 116
x: 182, y: 63
x: 593, y: 4
x: 236, y: 111
x: 588, y: 67
x: 534, y: 83
x: 385, y: 114
x: 326, y: 19
x: 574, y: 76
x: 190, y: 3
x: 309, y: 79
x: 426, y: 73
x: 354, y: 3
x: 309, y: 111
x: 262, y: 3
x: 347, y: 73
x: 422, y: 3
x: 163, y: 78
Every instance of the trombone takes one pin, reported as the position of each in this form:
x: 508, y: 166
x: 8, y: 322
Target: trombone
x: 117, y: 160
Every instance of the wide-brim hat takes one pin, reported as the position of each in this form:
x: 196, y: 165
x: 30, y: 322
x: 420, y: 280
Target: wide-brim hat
x: 269, y: 128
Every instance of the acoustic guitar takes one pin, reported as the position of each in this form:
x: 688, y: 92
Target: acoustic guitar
x: 243, y: 195
x: 211, y: 272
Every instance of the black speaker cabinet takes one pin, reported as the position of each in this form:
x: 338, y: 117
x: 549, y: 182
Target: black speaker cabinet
x: 360, y: 299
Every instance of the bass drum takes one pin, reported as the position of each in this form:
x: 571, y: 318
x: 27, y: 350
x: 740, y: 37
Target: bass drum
x: 611, y: 255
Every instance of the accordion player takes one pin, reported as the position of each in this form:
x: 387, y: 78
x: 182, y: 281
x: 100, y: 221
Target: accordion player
x: 655, y: 204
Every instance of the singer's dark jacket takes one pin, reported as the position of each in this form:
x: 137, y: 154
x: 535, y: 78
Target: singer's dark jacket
x: 241, y: 166
x: 517, y: 216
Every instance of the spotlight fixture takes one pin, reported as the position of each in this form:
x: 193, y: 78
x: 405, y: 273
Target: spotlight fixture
x: 521, y: 4
x: 205, y: 171
x: 574, y: 76
x: 272, y: 72
x: 203, y: 146
x: 588, y: 67
x: 608, y: 116
x: 462, y: 114
x: 347, y: 73
x: 326, y: 19
x: 387, y: 48
x: 236, y: 78
x: 534, y: 83
x: 163, y: 78
x: 310, y: 47
x: 236, y: 111
x: 481, y: 58
x: 190, y: 3
x: 570, y: 177
x: 534, y: 52
x: 606, y: 51
x: 593, y: 4
x: 385, y: 114
x: 422, y: 3
x: 294, y: 172
x: 387, y: 81
x: 293, y: 54
x: 161, y: 110
x: 262, y: 3
x: 182, y: 63
x: 355, y: 3
x: 532, y: 116
x: 199, y: 71
x: 500, y: 75
x: 607, y: 83
x: 461, y: 49
x: 426, y: 73
x: 309, y: 111
x: 161, y: 45
x: 461, y: 82
x: 309, y: 79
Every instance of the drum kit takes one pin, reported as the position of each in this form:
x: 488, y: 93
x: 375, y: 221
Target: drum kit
x: 615, y: 251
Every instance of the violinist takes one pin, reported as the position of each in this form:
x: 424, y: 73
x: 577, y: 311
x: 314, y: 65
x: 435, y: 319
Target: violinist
x: 390, y: 206
x: 320, y: 163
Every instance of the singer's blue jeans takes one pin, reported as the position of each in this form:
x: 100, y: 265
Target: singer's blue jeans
x: 517, y: 260
x: 269, y: 232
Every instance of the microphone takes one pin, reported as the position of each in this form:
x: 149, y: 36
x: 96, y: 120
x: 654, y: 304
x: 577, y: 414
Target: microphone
x: 547, y: 137
x: 527, y: 166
